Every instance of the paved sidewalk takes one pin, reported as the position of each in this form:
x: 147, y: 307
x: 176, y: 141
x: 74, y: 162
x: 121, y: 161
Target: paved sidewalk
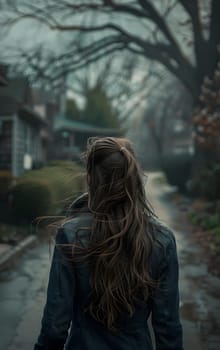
x: 8, y: 252
x: 4, y: 248
x: 22, y: 298
x: 199, y: 290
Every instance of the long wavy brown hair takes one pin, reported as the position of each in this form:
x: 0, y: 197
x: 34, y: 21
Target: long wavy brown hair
x: 121, y: 233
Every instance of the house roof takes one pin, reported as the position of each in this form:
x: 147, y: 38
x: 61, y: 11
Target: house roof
x: 61, y: 123
x: 30, y: 116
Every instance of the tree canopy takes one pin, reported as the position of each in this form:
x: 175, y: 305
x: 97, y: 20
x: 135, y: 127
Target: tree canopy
x: 72, y: 111
x: 98, y: 109
x: 181, y: 35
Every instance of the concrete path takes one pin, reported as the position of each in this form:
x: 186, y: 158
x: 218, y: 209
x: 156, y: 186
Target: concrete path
x: 22, y: 296
x: 22, y: 289
x: 199, y: 290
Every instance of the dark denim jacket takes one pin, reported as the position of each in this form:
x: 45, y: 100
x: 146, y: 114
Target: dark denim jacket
x: 66, y: 325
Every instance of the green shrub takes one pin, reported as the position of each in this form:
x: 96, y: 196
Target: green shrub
x: 217, y: 232
x: 206, y: 182
x: 65, y: 181
x: 177, y: 168
x: 193, y: 217
x: 62, y: 163
x: 6, y: 181
x: 30, y: 199
x: 211, y: 221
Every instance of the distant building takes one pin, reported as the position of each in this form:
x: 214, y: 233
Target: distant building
x: 47, y: 105
x: 70, y: 137
x: 34, y: 129
x: 20, y: 125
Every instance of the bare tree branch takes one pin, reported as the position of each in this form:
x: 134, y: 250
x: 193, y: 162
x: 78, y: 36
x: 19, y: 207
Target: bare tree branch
x: 192, y: 8
x: 159, y: 43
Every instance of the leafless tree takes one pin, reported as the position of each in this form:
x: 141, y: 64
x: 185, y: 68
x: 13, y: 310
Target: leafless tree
x: 164, y: 109
x: 145, y: 28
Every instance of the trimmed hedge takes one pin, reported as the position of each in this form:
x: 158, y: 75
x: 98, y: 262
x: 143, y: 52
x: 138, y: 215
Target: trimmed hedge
x: 206, y: 182
x: 65, y: 180
x: 177, y: 168
x: 46, y: 191
x: 6, y: 181
x: 59, y: 184
x: 30, y: 199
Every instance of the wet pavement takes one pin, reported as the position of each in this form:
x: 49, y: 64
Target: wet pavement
x: 22, y: 295
x: 23, y: 287
x: 199, y: 290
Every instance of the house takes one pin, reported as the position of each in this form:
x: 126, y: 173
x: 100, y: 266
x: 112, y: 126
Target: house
x: 47, y: 105
x: 70, y: 137
x: 20, y: 125
x: 34, y: 129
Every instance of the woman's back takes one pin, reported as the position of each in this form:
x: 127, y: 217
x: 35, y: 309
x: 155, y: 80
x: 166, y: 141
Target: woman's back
x: 113, y: 264
x: 133, y: 333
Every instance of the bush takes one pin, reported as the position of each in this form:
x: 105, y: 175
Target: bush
x: 177, y: 168
x: 206, y: 182
x: 193, y: 217
x: 206, y: 215
x: 61, y: 163
x: 210, y: 222
x: 6, y: 181
x: 217, y: 232
x: 65, y: 181
x: 30, y: 199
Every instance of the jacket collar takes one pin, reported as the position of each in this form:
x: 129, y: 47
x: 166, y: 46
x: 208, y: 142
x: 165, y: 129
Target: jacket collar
x: 79, y: 205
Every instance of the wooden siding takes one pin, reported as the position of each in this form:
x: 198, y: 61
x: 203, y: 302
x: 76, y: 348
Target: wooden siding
x: 27, y: 140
